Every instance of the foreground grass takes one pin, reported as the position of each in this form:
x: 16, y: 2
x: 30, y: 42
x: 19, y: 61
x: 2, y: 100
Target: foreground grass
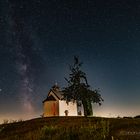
x: 72, y: 128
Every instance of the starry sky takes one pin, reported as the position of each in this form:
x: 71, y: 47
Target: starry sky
x: 38, y: 39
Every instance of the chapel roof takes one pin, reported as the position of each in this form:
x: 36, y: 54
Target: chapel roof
x: 57, y: 92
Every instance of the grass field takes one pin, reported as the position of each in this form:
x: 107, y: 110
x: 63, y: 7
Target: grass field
x: 72, y: 128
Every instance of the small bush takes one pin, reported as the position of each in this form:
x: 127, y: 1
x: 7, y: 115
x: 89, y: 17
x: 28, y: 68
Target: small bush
x: 5, y: 121
x: 138, y: 116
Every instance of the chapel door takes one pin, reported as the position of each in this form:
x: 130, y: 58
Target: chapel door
x: 55, y: 109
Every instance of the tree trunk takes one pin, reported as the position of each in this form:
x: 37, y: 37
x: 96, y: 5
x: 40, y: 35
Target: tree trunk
x: 87, y: 108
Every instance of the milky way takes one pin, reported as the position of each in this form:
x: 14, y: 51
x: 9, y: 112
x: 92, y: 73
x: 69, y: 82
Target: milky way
x: 23, y: 54
x: 22, y: 58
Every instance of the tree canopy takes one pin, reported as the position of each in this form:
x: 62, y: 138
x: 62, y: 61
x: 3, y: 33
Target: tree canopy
x: 79, y: 90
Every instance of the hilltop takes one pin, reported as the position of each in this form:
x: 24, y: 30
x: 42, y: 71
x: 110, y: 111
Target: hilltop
x: 72, y: 128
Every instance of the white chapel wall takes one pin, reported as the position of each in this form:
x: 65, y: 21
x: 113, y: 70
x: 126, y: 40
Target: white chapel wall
x: 71, y: 107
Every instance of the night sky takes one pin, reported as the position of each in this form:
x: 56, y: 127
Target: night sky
x: 38, y: 39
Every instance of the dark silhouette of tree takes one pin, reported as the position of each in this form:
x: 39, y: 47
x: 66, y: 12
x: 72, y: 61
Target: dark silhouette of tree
x: 79, y: 90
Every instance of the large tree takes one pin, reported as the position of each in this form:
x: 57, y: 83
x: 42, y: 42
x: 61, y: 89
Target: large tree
x: 79, y: 90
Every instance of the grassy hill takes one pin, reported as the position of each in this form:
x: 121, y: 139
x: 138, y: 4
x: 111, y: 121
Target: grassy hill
x: 72, y: 128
